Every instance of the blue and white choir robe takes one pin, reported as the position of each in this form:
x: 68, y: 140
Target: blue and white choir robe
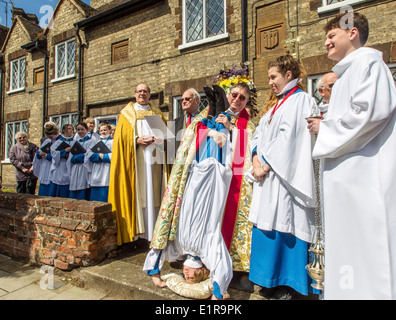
x: 60, y: 177
x: 41, y: 169
x: 98, y: 170
x: 79, y: 176
x: 282, y: 209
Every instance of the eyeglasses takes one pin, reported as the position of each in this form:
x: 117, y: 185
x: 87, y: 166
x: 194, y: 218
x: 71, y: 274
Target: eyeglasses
x: 186, y: 99
x: 235, y: 95
x: 20, y: 138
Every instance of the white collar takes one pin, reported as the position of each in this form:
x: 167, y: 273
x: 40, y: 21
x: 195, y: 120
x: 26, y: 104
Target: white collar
x: 140, y: 107
x: 289, y: 86
x: 344, y: 64
x: 233, y: 113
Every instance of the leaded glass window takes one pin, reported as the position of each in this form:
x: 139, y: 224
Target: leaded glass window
x: 18, y: 68
x: 203, y: 19
x: 62, y: 119
x: 65, y: 59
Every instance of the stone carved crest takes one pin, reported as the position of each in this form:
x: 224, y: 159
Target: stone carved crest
x: 270, y: 39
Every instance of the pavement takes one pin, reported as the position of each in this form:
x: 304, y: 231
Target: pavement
x: 116, y: 278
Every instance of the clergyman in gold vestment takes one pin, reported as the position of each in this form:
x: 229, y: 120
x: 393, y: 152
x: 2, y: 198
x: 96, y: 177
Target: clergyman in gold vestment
x: 137, y: 178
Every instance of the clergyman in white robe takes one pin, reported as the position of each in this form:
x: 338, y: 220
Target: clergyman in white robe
x: 357, y: 145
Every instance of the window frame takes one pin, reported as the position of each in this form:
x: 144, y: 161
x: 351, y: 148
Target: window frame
x: 20, y: 88
x: 14, y: 131
x: 330, y: 7
x: 205, y: 39
x: 66, y: 76
x: 100, y: 119
x: 63, y: 115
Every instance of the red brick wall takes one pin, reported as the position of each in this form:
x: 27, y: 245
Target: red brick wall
x: 63, y: 233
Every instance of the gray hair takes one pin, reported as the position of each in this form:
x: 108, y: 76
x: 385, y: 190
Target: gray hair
x: 19, y: 134
x: 196, y: 95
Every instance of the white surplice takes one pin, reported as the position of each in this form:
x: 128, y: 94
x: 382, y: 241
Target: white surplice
x: 149, y: 210
x: 42, y: 166
x: 79, y: 175
x: 200, y: 220
x: 284, y: 201
x: 357, y: 145
x: 99, y: 172
x: 60, y: 174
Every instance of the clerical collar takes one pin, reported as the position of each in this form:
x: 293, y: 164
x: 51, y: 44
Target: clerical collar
x: 289, y: 86
x: 233, y: 113
x: 140, y: 107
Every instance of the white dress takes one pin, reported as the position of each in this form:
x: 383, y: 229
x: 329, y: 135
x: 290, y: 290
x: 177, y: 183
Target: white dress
x: 356, y: 143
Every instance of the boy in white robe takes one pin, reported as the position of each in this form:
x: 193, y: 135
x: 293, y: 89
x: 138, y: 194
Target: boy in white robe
x: 356, y: 144
x: 98, y: 165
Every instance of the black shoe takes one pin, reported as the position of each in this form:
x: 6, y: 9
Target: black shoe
x: 267, y: 292
x: 282, y: 293
x: 240, y: 281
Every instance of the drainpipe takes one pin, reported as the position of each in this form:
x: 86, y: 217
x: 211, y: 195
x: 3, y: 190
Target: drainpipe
x: 44, y: 85
x: 80, y: 50
x: 243, y: 19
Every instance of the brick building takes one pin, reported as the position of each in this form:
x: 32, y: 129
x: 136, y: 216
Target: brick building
x: 88, y: 59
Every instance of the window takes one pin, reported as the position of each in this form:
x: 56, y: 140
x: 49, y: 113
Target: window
x: 65, y: 54
x: 17, y: 76
x: 62, y: 119
x: 112, y: 119
x: 11, y: 129
x: 177, y: 105
x: 203, y: 21
x: 119, y: 51
x: 329, y: 5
